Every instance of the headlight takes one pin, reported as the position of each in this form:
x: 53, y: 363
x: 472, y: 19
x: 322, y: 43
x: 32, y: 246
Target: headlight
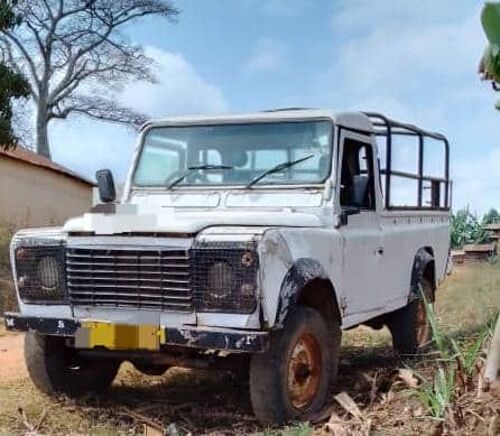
x: 224, y: 276
x: 220, y: 280
x: 40, y: 274
x: 48, y: 272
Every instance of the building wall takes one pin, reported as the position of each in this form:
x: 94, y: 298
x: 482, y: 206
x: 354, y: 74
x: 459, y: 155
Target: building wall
x: 31, y: 196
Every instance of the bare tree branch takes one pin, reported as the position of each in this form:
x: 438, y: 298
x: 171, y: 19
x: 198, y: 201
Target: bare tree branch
x: 69, y: 46
x: 101, y: 109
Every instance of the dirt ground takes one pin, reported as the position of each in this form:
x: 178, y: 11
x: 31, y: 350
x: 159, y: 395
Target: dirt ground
x: 203, y: 402
x: 11, y: 357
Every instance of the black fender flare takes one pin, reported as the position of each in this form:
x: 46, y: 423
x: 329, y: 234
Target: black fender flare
x: 423, y: 258
x: 302, y: 272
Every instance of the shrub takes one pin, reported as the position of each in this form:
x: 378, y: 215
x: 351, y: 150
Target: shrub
x: 7, y: 298
x: 467, y: 228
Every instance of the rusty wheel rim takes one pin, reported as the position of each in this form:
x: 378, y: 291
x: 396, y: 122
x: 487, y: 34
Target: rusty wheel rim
x: 422, y: 324
x: 304, y: 371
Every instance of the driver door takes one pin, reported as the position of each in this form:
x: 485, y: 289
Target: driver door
x: 361, y: 231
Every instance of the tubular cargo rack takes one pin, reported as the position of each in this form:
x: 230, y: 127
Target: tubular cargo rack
x: 385, y: 127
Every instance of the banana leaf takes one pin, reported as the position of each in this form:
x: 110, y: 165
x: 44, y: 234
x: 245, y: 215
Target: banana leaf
x: 490, y: 62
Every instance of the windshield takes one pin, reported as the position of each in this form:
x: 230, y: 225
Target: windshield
x: 236, y: 154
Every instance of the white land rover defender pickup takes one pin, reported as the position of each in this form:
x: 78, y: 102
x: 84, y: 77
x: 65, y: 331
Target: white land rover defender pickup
x: 246, y: 241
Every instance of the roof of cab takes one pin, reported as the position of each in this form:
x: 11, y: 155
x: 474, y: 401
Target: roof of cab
x: 353, y: 120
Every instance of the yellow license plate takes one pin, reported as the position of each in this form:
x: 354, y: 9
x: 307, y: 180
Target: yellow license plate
x: 94, y: 334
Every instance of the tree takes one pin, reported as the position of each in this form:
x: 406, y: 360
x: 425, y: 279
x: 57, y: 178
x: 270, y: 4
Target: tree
x: 466, y: 228
x: 76, y: 55
x: 491, y: 217
x: 12, y: 85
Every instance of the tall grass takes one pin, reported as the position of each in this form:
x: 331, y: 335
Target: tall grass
x: 457, y: 363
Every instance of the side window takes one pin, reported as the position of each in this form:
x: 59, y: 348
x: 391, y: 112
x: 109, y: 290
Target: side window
x: 357, y: 176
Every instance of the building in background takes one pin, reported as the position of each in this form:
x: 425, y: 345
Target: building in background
x: 34, y: 191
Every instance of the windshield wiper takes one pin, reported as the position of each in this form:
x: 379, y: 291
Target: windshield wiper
x: 196, y: 168
x: 278, y: 168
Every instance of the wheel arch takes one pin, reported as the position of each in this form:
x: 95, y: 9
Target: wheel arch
x: 308, y: 284
x: 424, y: 266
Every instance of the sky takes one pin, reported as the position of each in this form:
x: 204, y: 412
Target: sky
x: 412, y: 60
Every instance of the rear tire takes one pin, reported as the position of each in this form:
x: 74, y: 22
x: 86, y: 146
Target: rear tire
x: 290, y: 382
x: 409, y: 326
x: 55, y: 368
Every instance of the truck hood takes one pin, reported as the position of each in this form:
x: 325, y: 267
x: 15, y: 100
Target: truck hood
x: 185, y: 222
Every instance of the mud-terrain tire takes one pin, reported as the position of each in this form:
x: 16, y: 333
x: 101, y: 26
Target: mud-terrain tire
x: 290, y: 382
x: 409, y: 326
x: 55, y: 368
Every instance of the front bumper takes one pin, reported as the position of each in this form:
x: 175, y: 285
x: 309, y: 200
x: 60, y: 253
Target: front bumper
x: 96, y: 334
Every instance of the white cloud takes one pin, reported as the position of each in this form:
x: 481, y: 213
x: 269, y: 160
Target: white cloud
x: 267, y: 56
x: 85, y: 145
x: 180, y: 89
x: 419, y: 63
x: 396, y: 49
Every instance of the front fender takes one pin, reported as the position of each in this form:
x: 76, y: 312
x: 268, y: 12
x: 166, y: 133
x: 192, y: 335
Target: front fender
x: 302, y: 272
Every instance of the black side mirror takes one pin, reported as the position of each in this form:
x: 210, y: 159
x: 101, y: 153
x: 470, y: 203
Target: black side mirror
x: 106, y: 185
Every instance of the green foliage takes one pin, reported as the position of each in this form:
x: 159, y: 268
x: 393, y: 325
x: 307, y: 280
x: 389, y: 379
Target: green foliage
x: 7, y: 297
x: 12, y: 84
x: 300, y: 429
x: 491, y: 217
x: 490, y: 19
x: 457, y: 365
x: 490, y: 61
x: 5, y: 237
x: 467, y: 228
x: 438, y: 395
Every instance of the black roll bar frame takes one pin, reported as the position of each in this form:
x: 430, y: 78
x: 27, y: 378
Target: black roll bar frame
x: 388, y: 128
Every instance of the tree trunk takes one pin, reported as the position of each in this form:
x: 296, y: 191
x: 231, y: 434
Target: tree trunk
x: 493, y: 362
x: 42, y: 134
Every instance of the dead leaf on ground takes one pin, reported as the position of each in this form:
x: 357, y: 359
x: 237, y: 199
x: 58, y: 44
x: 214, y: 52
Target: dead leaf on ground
x: 152, y: 431
x: 345, y: 400
x: 408, y: 377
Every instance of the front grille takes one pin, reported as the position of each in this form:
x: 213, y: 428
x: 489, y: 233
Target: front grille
x: 149, y: 279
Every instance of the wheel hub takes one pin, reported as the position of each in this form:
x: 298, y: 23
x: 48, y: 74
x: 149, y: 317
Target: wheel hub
x: 304, y: 371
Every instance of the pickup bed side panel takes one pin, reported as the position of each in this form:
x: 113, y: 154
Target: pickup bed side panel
x: 404, y: 236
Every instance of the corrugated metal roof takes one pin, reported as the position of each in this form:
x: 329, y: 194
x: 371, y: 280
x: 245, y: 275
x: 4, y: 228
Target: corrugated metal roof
x: 27, y: 156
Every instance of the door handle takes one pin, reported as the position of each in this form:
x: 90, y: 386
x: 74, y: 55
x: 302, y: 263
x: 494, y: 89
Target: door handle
x: 380, y: 251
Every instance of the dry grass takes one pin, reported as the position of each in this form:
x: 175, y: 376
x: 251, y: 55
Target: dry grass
x: 217, y: 402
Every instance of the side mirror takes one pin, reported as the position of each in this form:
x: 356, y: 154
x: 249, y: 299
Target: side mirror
x: 106, y: 185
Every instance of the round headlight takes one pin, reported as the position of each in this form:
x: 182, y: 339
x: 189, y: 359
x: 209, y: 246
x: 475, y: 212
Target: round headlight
x: 220, y: 280
x: 48, y: 272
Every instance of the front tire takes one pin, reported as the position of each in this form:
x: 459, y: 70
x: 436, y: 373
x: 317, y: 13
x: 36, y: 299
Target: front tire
x: 409, y: 326
x: 55, y: 368
x: 290, y: 382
